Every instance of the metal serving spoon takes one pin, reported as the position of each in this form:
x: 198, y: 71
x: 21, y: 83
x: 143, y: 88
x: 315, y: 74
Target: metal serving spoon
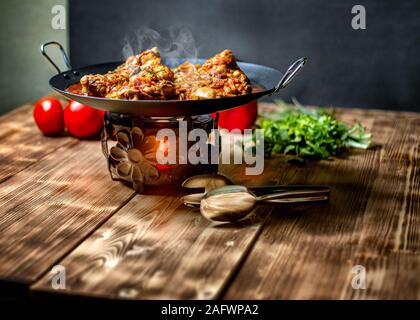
x: 233, y: 203
x: 209, y: 182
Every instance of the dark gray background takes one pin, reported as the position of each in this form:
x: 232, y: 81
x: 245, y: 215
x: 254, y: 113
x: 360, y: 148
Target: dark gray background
x: 376, y: 68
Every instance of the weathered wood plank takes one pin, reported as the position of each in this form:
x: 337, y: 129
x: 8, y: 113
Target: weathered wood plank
x: 372, y: 221
x: 390, y: 222
x: 391, y: 276
x: 389, y: 241
x: 21, y: 143
x: 51, y: 206
x: 295, y: 249
x: 153, y: 247
x: 156, y: 248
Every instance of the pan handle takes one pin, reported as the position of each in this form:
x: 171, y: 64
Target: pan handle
x: 290, y: 74
x: 63, y: 53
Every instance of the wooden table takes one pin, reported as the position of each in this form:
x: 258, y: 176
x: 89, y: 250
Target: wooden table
x: 58, y: 206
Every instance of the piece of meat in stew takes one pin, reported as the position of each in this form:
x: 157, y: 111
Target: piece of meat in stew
x: 144, y: 77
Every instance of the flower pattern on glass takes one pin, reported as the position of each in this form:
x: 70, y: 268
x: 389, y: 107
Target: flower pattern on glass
x: 135, y: 155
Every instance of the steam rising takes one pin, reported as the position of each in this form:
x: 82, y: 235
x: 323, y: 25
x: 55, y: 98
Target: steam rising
x: 174, y: 43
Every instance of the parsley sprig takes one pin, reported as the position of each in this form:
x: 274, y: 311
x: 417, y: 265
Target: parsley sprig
x: 313, y: 134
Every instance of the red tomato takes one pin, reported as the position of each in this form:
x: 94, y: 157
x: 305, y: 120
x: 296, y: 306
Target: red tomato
x: 48, y: 115
x: 82, y: 121
x: 242, y: 117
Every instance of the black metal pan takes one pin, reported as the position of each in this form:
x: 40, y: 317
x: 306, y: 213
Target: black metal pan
x: 268, y: 80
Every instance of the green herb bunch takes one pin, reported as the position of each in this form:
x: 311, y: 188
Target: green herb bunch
x: 314, y: 134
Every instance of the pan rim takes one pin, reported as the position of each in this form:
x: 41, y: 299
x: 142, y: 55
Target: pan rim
x: 256, y: 73
x: 264, y: 92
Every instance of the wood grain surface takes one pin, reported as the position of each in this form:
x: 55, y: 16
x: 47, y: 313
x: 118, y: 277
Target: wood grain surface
x: 51, y: 206
x: 20, y: 143
x: 372, y: 221
x: 155, y: 248
x: 59, y: 206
